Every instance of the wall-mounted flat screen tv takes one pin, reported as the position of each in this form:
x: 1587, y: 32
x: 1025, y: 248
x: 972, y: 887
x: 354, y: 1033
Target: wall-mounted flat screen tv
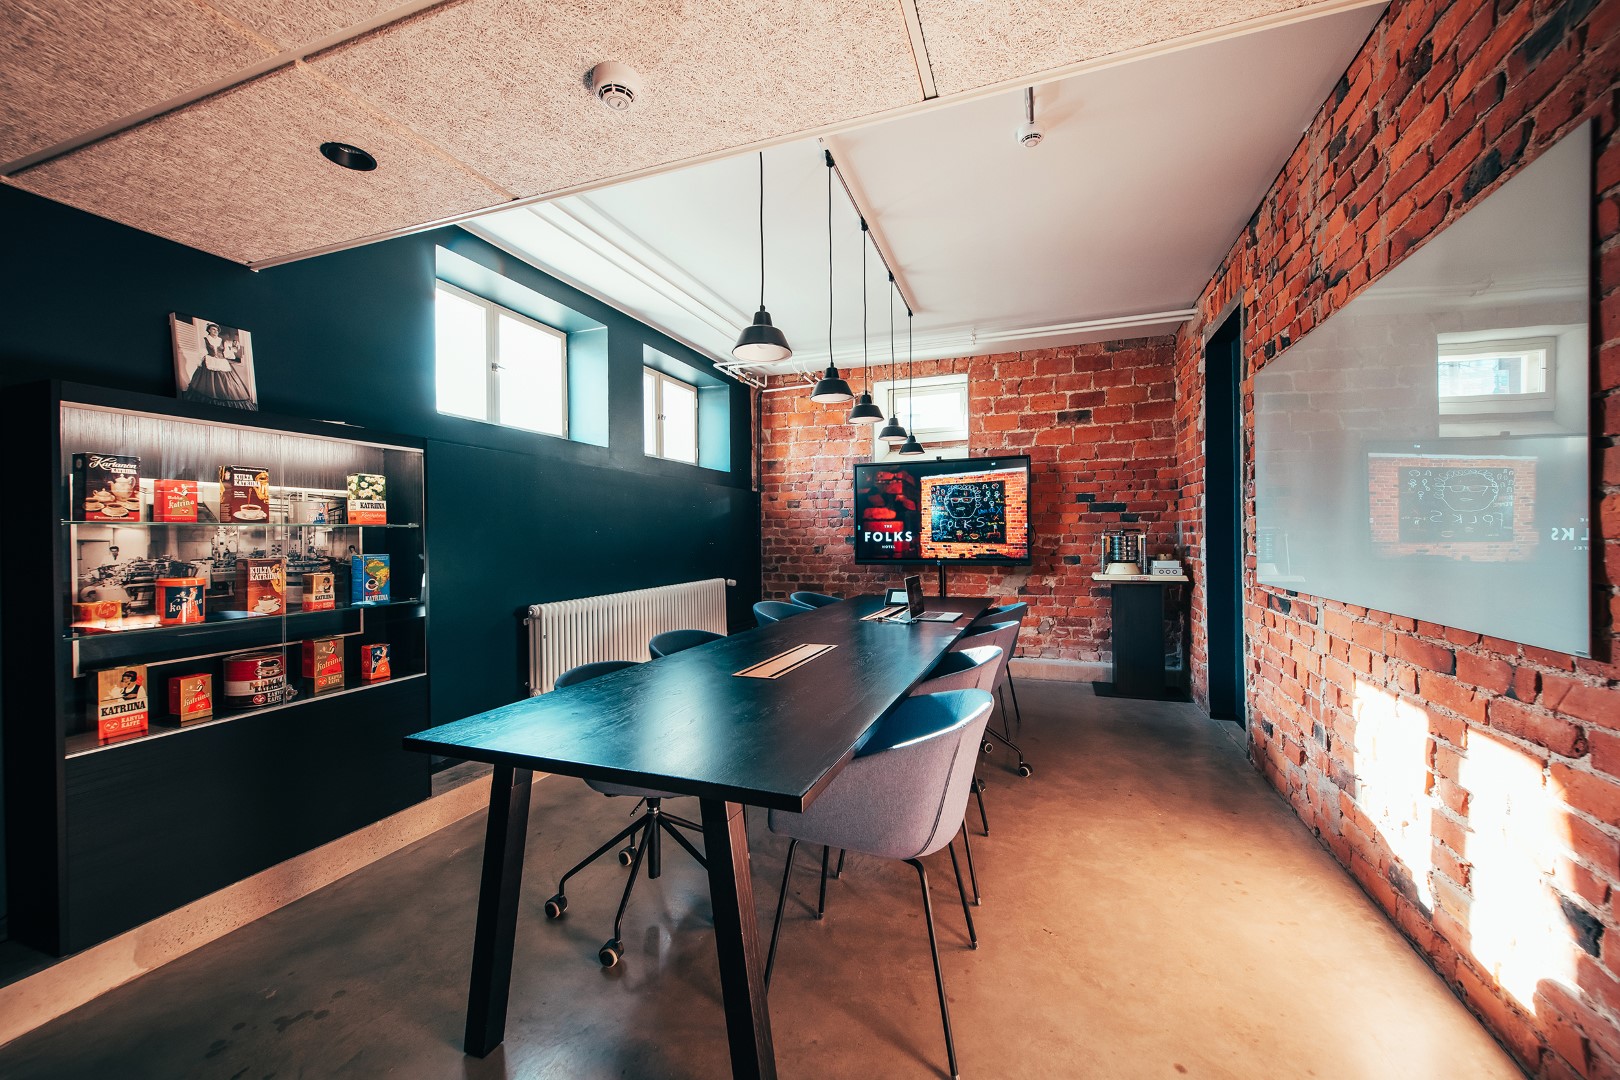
x: 967, y: 510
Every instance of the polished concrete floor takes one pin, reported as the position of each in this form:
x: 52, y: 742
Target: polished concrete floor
x: 1150, y: 909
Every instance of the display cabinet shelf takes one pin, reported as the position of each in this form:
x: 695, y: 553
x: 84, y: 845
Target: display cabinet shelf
x: 108, y: 827
x: 80, y: 745
x: 261, y: 525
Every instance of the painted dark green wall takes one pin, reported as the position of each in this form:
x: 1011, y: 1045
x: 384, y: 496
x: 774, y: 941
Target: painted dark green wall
x: 514, y: 518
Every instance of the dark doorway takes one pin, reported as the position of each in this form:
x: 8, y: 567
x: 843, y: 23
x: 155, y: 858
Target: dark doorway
x: 1223, y: 517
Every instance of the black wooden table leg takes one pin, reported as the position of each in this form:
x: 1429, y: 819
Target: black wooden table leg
x: 736, y: 937
x: 504, y: 837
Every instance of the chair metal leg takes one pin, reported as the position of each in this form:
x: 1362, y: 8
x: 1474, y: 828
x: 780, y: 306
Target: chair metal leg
x: 1017, y: 712
x: 624, y: 902
x: 675, y: 819
x: 629, y: 886
x: 821, y: 904
x: 978, y: 793
x: 973, y: 935
x: 781, y: 902
x: 972, y: 874
x: 1023, y: 766
x: 684, y: 842
x: 939, y: 974
x: 626, y: 833
x: 838, y: 871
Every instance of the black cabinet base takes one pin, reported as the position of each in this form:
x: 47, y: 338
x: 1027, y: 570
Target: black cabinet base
x: 1169, y: 693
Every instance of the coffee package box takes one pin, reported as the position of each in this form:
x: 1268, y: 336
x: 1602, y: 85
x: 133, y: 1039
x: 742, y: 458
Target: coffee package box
x: 107, y: 487
x: 261, y: 586
x: 368, y: 499
x: 244, y: 494
x: 175, y: 500
x: 121, y: 702
x: 323, y: 663
x: 191, y: 697
x: 374, y: 663
x: 368, y: 582
x: 320, y: 592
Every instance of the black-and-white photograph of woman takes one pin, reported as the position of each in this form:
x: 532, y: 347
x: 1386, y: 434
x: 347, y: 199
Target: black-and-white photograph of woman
x: 213, y: 363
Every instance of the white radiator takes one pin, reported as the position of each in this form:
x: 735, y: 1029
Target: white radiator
x: 617, y: 626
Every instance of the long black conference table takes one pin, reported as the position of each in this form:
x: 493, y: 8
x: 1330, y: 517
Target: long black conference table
x: 688, y: 724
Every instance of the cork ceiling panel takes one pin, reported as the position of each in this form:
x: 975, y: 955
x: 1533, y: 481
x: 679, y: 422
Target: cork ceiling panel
x: 500, y: 84
x: 974, y: 43
x: 295, y: 23
x: 64, y: 71
x: 239, y: 174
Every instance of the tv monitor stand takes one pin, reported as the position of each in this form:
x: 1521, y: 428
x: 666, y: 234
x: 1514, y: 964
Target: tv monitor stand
x: 942, y: 591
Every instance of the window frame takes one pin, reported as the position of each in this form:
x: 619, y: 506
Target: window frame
x: 1483, y: 404
x: 949, y: 442
x: 659, y: 379
x: 493, y: 313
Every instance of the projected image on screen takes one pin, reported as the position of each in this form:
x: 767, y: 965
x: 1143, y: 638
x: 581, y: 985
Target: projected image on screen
x: 1425, y: 450
x: 887, y: 503
x: 973, y: 514
x: 970, y: 513
x: 1456, y: 504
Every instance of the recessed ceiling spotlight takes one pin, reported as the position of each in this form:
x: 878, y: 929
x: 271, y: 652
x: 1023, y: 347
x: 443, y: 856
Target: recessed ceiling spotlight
x: 1029, y: 132
x: 615, y: 85
x: 350, y: 157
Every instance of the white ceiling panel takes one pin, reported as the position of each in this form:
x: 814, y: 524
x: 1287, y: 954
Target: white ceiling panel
x: 68, y: 68
x: 240, y: 174
x: 973, y: 43
x: 501, y: 83
x: 1108, y: 229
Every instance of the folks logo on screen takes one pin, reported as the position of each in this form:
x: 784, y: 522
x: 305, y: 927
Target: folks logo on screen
x: 897, y: 536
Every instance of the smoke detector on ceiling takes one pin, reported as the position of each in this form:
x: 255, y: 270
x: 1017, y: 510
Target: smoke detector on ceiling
x: 615, y: 85
x: 1030, y: 133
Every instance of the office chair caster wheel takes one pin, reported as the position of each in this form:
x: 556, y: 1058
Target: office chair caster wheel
x: 988, y: 746
x: 627, y: 856
x: 1024, y: 769
x: 556, y: 906
x: 611, y: 953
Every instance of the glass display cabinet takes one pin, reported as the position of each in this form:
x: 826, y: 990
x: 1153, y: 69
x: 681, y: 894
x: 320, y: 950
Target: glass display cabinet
x: 201, y: 608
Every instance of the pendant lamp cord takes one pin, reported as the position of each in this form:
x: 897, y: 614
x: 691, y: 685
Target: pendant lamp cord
x: 911, y: 412
x: 829, y: 263
x: 762, y: 230
x: 891, y: 325
x: 865, y: 361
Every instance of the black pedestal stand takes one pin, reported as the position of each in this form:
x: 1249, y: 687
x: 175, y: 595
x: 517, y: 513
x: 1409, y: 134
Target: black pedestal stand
x: 942, y: 591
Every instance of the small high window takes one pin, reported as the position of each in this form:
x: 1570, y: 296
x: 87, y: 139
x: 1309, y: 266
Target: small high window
x: 496, y: 365
x: 670, y: 416
x: 935, y: 409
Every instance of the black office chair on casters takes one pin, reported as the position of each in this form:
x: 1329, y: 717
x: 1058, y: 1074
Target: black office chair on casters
x: 1004, y: 635
x: 674, y: 641
x: 645, y: 848
x: 814, y: 599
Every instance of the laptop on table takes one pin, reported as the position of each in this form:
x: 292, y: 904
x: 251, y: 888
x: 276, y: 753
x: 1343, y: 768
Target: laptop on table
x: 913, y: 611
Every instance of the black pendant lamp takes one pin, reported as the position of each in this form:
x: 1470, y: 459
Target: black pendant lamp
x: 911, y: 447
x: 864, y: 411
x: 832, y: 389
x: 892, y: 434
x: 761, y: 343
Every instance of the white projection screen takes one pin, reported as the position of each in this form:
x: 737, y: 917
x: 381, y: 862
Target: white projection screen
x: 1424, y: 451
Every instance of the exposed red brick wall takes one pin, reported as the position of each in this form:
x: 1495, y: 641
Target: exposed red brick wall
x: 1096, y: 423
x: 1471, y: 785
